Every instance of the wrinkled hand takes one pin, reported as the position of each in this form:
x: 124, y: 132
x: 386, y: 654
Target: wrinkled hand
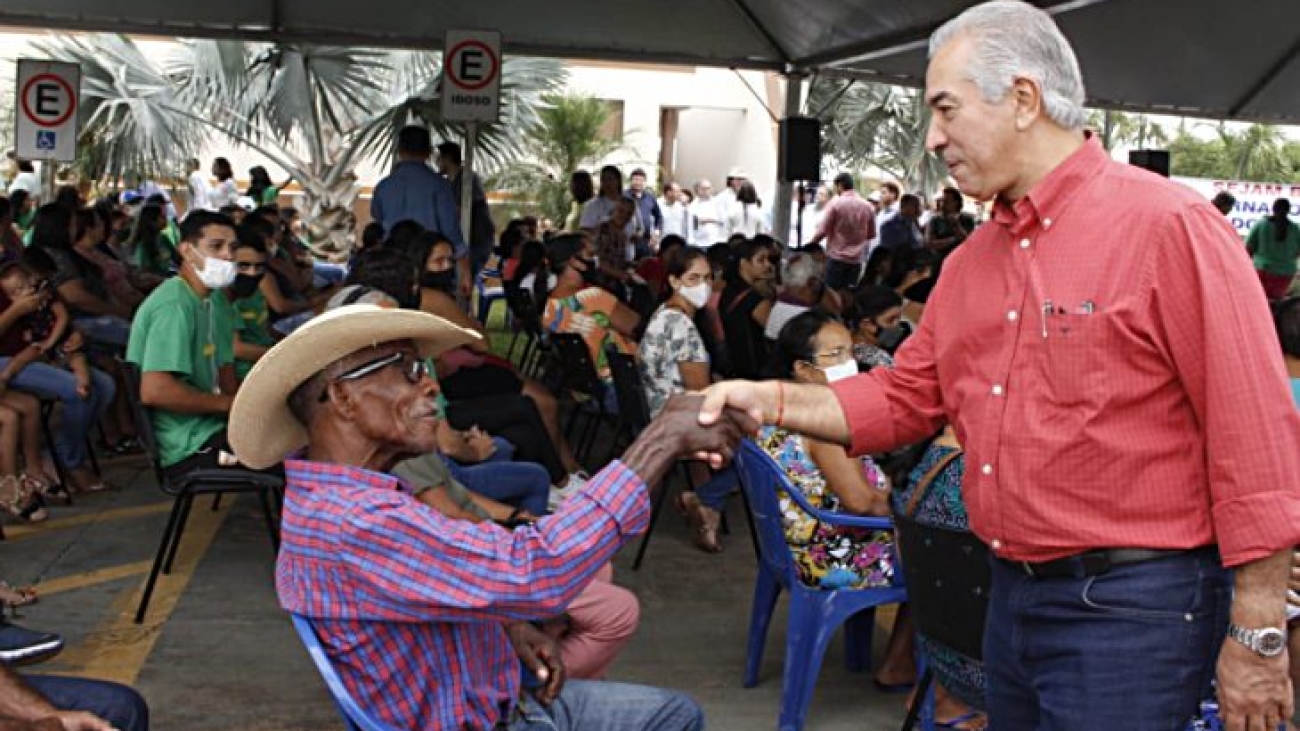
x: 1254, y: 691
x: 680, y: 425
x: 540, y: 655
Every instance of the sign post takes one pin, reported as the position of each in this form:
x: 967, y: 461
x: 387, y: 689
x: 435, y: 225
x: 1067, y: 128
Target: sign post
x: 46, y: 124
x: 471, y: 93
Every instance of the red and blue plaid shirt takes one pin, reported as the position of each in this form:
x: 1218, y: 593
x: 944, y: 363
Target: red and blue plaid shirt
x: 411, y: 606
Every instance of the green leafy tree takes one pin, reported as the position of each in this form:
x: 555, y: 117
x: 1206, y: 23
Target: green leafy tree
x: 1256, y: 152
x: 1117, y: 129
x: 565, y: 137
x: 866, y: 124
x: 315, y: 111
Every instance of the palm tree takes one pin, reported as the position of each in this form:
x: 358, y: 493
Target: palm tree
x: 876, y: 124
x: 1115, y: 129
x: 315, y: 111
x: 1256, y: 153
x: 566, y: 137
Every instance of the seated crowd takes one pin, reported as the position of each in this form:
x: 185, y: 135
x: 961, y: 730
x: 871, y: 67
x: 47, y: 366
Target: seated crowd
x: 518, y: 534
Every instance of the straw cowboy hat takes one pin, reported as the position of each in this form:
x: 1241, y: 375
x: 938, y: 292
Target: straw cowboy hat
x: 262, y: 429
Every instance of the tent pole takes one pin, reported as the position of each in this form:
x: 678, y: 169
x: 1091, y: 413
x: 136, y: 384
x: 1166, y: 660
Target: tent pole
x: 794, y: 83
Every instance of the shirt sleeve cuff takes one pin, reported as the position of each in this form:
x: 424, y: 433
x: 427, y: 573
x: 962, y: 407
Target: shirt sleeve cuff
x: 621, y: 492
x: 1264, y: 523
x: 866, y: 411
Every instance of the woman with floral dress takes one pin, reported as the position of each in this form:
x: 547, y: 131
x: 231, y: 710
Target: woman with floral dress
x: 815, y: 348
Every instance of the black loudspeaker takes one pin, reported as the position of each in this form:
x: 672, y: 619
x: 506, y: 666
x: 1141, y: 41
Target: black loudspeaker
x: 800, y: 154
x: 1157, y: 161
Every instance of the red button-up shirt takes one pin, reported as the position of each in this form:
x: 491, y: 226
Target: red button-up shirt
x: 1106, y: 355
x: 848, y: 225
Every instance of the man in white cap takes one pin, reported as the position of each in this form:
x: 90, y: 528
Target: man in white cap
x: 418, y: 612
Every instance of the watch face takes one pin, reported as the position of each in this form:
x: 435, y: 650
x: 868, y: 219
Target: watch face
x: 1271, y: 642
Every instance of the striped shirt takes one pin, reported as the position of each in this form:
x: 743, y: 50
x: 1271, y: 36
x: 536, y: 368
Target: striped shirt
x: 412, y: 606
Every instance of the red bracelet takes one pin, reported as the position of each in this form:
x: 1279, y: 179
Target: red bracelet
x: 780, y: 404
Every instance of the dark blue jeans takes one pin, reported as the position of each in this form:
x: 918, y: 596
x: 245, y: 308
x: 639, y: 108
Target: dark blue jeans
x: 518, y: 484
x: 1132, y: 649
x: 117, y: 704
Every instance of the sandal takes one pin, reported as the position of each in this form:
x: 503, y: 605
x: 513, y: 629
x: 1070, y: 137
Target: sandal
x: 970, y: 721
x: 16, y: 596
x: 50, y: 491
x: 703, y: 520
x: 19, y: 500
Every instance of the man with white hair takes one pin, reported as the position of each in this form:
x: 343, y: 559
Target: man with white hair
x: 803, y: 283
x: 1110, y: 400
x: 708, y: 216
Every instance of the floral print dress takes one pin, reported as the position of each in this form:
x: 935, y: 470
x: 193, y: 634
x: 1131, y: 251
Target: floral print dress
x: 828, y: 557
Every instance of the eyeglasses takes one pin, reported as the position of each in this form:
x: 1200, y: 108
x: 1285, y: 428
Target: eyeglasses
x: 413, y: 369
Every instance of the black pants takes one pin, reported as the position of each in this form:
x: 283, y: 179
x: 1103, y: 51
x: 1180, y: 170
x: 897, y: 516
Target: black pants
x: 515, y: 419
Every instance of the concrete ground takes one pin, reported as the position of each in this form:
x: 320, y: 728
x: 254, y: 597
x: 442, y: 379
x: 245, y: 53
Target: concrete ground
x: 216, y: 653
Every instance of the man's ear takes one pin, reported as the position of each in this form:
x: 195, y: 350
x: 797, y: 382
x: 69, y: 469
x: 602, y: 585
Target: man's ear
x: 1027, y: 94
x: 341, y: 400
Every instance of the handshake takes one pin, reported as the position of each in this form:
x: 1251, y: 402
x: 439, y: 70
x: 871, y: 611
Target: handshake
x: 677, y: 434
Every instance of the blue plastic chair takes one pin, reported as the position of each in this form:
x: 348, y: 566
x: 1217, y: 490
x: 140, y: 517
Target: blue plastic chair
x: 815, y: 614
x: 487, y: 296
x: 355, y: 718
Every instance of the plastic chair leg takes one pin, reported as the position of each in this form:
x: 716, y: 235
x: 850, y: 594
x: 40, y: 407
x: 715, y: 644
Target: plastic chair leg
x: 187, y: 502
x: 858, y: 634
x: 655, y: 511
x: 924, y: 698
x: 766, y: 591
x: 163, y: 546
x: 805, y: 647
x: 271, y: 527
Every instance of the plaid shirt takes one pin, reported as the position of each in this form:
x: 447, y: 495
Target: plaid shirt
x: 411, y: 606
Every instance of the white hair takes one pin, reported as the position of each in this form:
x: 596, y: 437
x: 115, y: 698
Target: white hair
x: 1011, y: 38
x: 799, y: 270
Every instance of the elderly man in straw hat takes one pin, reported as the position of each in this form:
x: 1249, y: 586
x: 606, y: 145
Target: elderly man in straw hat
x: 417, y: 611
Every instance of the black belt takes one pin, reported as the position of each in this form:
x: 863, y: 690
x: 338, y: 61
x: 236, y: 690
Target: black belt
x: 1091, y: 563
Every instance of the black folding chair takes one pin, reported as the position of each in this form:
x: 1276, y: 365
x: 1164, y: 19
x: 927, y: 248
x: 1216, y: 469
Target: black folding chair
x: 268, y: 489
x: 526, y: 321
x: 572, y: 371
x: 634, y: 416
x: 948, y: 579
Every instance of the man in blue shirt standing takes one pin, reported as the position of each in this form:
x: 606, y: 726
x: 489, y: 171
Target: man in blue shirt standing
x: 416, y: 192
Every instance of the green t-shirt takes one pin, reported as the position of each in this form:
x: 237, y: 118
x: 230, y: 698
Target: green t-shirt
x: 160, y: 262
x: 251, y: 318
x: 176, y: 332
x: 1271, y: 255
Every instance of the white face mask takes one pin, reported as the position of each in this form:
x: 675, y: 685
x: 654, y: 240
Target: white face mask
x: 839, y: 372
x: 697, y: 295
x: 217, y: 273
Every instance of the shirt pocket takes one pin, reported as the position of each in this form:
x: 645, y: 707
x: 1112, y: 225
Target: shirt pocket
x: 1070, y: 366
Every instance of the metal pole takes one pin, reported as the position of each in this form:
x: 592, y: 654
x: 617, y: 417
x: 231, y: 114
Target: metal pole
x: 48, y: 181
x: 785, y: 191
x: 467, y: 180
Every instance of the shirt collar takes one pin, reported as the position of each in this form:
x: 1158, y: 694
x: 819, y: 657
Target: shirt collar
x: 307, y: 472
x: 1053, y: 194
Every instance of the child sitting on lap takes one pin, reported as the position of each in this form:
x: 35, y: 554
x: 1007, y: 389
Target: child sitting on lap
x: 45, y: 329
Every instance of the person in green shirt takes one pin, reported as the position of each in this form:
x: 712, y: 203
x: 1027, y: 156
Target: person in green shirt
x: 151, y: 251
x: 260, y: 188
x: 252, y: 334
x: 1274, y: 243
x: 182, y: 340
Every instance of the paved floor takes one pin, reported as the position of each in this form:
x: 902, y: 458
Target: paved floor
x: 216, y: 653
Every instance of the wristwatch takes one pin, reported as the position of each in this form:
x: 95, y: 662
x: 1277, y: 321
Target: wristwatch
x: 1268, y: 642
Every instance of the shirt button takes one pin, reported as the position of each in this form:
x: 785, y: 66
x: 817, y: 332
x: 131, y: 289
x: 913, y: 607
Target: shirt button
x: 996, y: 545
x: 1024, y: 243
x: 987, y: 469
x: 1047, y: 223
x: 1013, y: 315
x: 997, y: 389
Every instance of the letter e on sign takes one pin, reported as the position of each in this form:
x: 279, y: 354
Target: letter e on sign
x: 471, y: 76
x: 47, y: 96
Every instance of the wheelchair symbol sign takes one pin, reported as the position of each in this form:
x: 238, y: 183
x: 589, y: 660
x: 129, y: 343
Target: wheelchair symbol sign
x: 47, y: 140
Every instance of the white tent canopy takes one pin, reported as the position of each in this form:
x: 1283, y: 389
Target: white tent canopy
x: 1186, y: 57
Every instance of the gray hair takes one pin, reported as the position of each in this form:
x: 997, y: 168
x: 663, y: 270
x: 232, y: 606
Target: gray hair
x: 799, y: 270
x: 1012, y: 38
